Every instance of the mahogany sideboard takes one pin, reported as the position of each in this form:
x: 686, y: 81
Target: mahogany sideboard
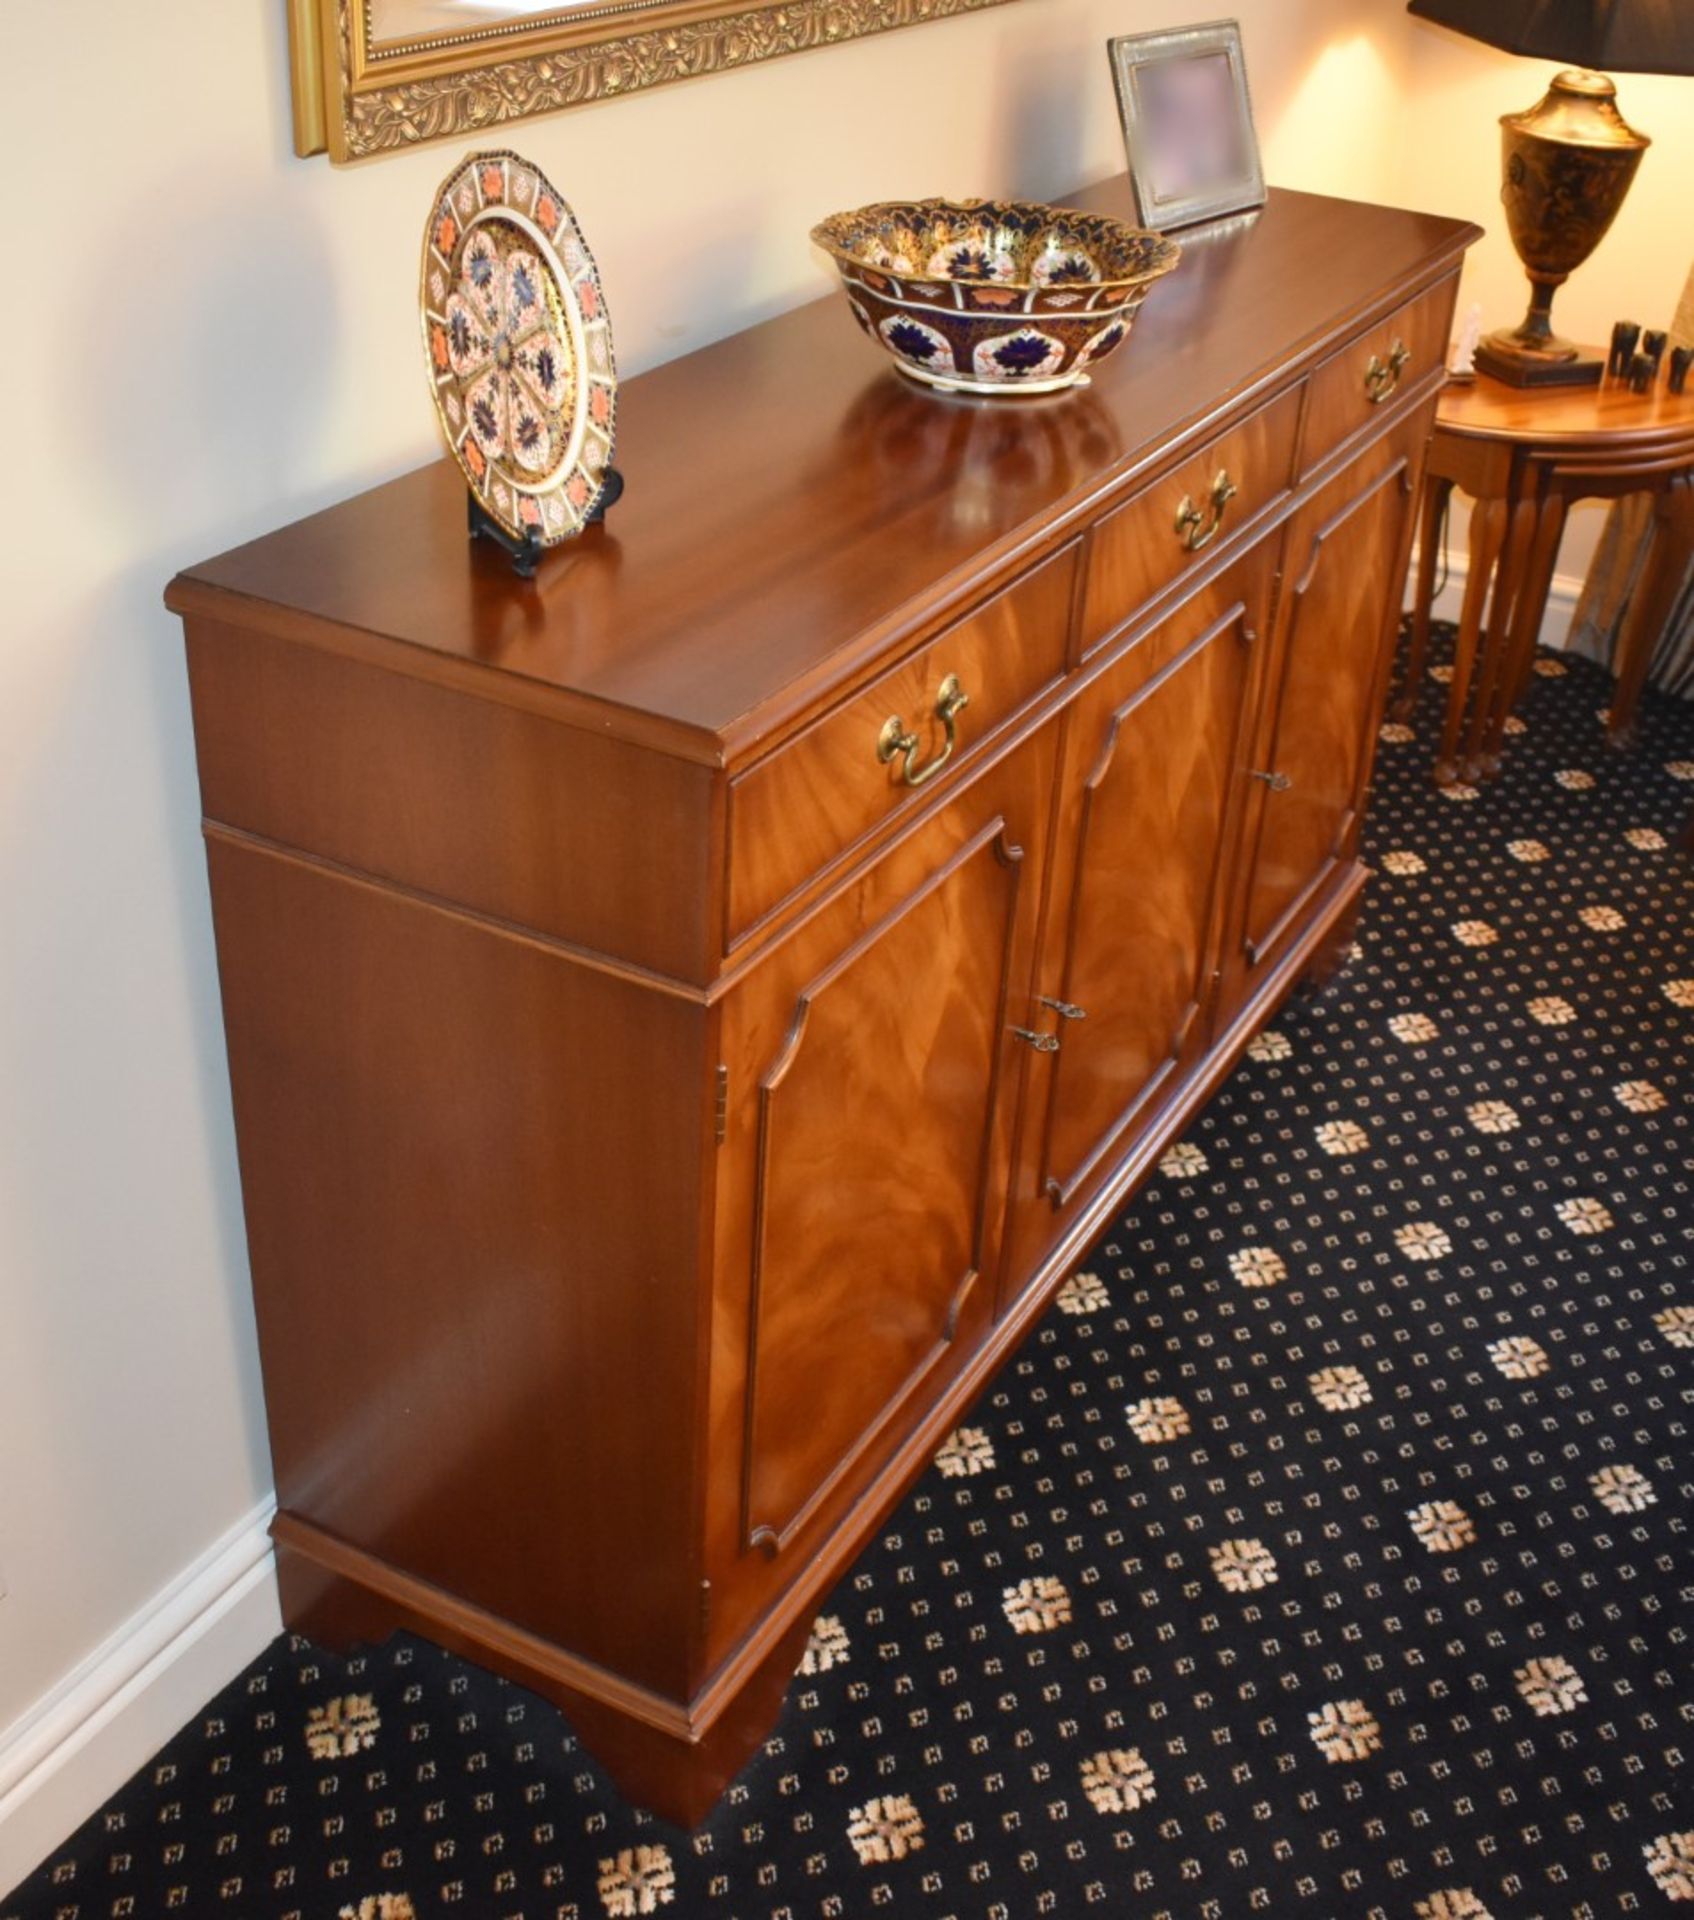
x: 658, y: 1113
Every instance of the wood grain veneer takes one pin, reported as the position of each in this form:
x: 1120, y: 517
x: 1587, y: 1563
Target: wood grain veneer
x: 656, y: 1121
x: 796, y: 811
x: 1137, y: 552
x: 1408, y: 347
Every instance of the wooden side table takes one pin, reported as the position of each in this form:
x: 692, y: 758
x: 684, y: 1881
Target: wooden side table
x: 1524, y: 457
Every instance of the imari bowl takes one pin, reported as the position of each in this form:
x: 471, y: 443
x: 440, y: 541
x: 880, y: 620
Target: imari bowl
x: 994, y: 296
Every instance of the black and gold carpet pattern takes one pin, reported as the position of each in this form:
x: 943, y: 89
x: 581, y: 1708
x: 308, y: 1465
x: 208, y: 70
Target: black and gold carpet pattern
x: 1325, y: 1552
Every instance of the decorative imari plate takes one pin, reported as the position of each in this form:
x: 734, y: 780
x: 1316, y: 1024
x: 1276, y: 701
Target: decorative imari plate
x: 519, y: 347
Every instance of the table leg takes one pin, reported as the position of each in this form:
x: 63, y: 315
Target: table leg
x: 1432, y: 509
x: 1668, y: 560
x: 1487, y: 534
x: 1493, y: 667
x: 1527, y: 615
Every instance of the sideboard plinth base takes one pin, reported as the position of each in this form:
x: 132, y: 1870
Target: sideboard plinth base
x: 660, y: 1754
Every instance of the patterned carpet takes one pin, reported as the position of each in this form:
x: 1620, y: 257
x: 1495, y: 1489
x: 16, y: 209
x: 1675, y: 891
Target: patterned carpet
x: 1325, y: 1552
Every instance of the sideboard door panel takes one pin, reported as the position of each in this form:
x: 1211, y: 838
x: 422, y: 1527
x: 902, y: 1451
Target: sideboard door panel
x: 1345, y: 558
x: 879, y: 1107
x: 1154, y: 765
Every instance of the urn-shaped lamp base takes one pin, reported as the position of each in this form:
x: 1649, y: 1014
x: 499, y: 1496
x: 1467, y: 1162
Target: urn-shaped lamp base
x: 1569, y: 163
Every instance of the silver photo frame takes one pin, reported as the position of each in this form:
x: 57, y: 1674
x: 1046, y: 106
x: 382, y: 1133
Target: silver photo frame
x: 1187, y: 124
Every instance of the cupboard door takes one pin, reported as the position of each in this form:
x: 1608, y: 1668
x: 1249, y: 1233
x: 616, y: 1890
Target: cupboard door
x: 1344, y: 562
x: 1153, y: 769
x: 869, y: 1148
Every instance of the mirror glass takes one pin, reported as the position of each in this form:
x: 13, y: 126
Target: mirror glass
x: 404, y: 20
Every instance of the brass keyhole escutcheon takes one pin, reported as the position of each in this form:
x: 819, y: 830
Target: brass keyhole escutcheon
x: 1041, y: 1042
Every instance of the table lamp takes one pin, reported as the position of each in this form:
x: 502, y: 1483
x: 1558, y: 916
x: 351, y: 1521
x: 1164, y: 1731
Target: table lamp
x: 1569, y: 160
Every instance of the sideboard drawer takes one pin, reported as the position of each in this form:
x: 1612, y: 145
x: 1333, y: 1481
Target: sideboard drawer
x: 1151, y: 541
x: 1352, y: 388
x: 803, y: 809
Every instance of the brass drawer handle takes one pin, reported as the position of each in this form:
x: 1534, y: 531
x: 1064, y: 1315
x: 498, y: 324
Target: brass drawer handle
x: 1065, y: 1009
x: 950, y: 701
x: 1041, y: 1042
x: 1277, y: 782
x: 1195, y: 528
x: 1382, y: 377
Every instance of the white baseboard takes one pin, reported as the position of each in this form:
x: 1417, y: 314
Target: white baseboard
x: 1561, y: 602
x: 83, y: 1739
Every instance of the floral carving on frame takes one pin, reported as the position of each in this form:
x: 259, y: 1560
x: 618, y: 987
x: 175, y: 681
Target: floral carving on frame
x: 364, y: 100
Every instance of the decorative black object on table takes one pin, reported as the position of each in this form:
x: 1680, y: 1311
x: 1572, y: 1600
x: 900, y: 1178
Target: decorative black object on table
x: 1681, y: 359
x: 1626, y: 337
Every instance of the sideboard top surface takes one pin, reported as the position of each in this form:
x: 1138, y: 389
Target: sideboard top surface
x: 794, y: 504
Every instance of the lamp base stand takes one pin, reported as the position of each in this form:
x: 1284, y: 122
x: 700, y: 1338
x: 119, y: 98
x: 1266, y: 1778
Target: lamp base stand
x: 1519, y: 369
x: 1569, y: 162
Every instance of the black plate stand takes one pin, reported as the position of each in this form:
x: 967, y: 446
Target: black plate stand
x: 526, y: 553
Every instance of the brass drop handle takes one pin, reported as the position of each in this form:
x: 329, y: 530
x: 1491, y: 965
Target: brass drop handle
x: 950, y: 701
x: 1041, y: 1042
x: 1277, y: 782
x: 1195, y: 527
x: 1383, y: 376
x: 1065, y: 1009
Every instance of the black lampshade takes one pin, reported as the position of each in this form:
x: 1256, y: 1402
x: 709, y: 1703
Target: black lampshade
x: 1614, y: 36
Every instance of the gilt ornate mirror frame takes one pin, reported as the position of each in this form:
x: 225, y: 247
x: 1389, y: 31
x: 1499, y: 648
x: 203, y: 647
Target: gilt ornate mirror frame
x: 376, y: 76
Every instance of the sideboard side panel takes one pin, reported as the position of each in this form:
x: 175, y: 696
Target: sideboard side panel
x: 470, y: 1168
x: 588, y: 839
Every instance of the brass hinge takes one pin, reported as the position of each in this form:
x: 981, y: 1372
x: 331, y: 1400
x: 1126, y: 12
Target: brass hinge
x: 705, y: 1606
x: 721, y: 1109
